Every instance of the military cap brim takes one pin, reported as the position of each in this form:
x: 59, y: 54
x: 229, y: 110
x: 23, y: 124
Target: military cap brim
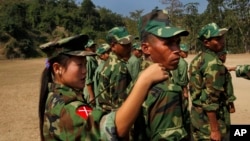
x: 126, y: 40
x: 168, y: 31
x: 81, y: 53
x: 211, y: 30
x: 73, y: 45
x: 157, y: 23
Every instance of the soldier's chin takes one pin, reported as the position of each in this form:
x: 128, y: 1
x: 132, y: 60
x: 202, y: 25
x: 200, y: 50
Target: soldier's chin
x: 173, y: 67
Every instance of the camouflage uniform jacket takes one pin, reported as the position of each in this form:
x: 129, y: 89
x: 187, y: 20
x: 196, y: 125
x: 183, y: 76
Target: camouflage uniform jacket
x: 61, y: 122
x: 229, y: 90
x: 180, y: 75
x: 133, y: 65
x: 207, y: 80
x: 92, y: 64
x: 114, y: 79
x: 243, y: 71
x: 96, y: 79
x: 161, y: 113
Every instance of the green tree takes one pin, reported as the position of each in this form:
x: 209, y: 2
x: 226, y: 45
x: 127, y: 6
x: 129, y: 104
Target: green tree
x: 191, y: 23
x: 175, y: 10
x: 238, y: 17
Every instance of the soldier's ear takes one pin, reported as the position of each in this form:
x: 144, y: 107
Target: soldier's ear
x: 145, y: 48
x: 57, y: 68
x: 206, y: 42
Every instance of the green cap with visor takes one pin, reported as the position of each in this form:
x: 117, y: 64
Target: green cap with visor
x: 211, y: 30
x: 73, y: 45
x: 120, y: 35
x: 102, y: 48
x: 158, y: 23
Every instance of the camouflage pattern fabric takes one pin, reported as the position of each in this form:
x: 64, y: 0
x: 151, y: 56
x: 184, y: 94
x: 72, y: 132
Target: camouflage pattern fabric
x: 136, y: 46
x: 133, y: 65
x: 114, y: 79
x: 120, y: 35
x: 102, y: 49
x: 207, y: 80
x: 62, y: 123
x: 71, y: 45
x: 211, y: 30
x: 243, y: 71
x: 180, y: 77
x: 96, y: 80
x: 90, y: 43
x: 229, y: 90
x: 161, y: 113
x: 158, y: 23
x: 92, y: 64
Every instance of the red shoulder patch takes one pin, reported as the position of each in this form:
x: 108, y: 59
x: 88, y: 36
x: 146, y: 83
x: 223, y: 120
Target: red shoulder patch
x: 84, y: 111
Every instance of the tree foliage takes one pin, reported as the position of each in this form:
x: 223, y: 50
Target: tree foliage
x: 25, y: 24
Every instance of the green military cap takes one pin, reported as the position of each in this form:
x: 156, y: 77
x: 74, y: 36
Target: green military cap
x: 136, y: 46
x: 90, y: 43
x: 211, y: 30
x: 120, y: 35
x: 184, y: 47
x: 73, y: 45
x: 102, y: 48
x: 157, y: 23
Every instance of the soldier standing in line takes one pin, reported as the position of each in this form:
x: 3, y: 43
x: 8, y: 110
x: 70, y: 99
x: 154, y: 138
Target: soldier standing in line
x: 135, y: 60
x: 229, y: 85
x: 207, y: 79
x: 180, y: 77
x: 114, y: 77
x: 161, y: 116
x: 91, y: 67
x: 229, y: 93
x: 103, y: 54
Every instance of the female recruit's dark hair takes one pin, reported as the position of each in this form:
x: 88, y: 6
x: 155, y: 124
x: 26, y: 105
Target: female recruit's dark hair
x: 46, y: 78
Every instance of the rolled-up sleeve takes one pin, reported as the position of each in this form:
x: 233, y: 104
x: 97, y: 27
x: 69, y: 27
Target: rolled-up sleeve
x: 108, y: 128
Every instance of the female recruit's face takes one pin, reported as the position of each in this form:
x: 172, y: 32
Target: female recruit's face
x: 74, y: 74
x: 163, y: 50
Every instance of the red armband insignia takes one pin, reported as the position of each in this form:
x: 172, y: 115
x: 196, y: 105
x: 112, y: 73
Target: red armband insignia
x: 84, y: 111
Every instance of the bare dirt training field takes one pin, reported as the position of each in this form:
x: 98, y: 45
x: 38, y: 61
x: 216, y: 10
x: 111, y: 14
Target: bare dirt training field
x: 19, y: 92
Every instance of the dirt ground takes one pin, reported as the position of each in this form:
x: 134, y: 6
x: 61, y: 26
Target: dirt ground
x: 19, y: 92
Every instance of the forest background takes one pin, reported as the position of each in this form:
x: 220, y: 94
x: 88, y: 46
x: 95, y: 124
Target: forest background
x: 25, y: 24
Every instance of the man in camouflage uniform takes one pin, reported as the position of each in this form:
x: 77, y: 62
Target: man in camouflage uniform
x: 103, y: 54
x: 91, y: 67
x: 207, y: 79
x: 135, y: 60
x: 114, y: 77
x: 229, y: 93
x: 180, y: 77
x: 161, y: 115
x: 241, y: 71
x: 228, y: 85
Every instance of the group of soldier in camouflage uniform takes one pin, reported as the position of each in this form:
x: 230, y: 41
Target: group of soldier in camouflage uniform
x: 108, y: 108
